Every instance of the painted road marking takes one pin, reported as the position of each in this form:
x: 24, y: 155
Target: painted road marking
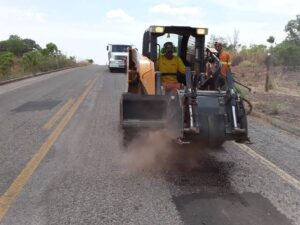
x: 88, y: 82
x: 58, y: 114
x: 284, y: 175
x: 15, y: 188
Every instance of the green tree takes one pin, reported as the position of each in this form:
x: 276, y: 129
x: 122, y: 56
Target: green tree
x: 15, y: 45
x: 288, y: 53
x: 293, y: 30
x: 214, y: 38
x: 31, y: 45
x: 90, y: 61
x: 6, y: 63
x: 271, y: 39
x: 50, y: 50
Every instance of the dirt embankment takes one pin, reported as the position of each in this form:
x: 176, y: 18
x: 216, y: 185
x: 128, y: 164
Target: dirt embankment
x: 281, y: 103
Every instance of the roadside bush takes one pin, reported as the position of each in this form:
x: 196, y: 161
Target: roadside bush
x: 255, y: 53
x: 6, y: 63
x: 37, y: 62
x: 30, y: 61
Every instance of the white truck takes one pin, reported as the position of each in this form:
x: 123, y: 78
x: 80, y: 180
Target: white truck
x: 117, y: 56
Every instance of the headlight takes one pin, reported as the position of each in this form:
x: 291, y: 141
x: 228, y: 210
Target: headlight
x: 157, y: 29
x: 202, y: 31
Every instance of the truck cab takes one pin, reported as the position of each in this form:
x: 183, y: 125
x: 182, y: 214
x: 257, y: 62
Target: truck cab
x: 117, y: 56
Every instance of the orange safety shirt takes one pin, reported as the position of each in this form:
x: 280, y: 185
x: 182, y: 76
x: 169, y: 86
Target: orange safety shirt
x: 170, y: 66
x: 225, y: 62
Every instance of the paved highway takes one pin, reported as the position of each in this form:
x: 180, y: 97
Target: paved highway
x: 62, y: 162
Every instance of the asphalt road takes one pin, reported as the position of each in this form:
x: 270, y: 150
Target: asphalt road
x: 62, y: 162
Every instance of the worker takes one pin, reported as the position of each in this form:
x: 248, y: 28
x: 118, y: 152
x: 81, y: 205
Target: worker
x: 225, y: 61
x: 224, y: 58
x: 170, y: 64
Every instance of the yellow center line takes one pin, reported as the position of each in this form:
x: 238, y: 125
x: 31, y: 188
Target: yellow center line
x: 58, y: 114
x: 88, y: 82
x: 15, y: 188
x: 281, y: 173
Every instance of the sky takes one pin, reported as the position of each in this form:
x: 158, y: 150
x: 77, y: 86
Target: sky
x: 83, y: 28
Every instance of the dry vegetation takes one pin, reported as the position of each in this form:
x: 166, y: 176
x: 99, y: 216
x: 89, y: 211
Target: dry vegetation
x: 282, y: 101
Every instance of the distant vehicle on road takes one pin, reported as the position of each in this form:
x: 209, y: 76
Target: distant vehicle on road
x: 117, y: 56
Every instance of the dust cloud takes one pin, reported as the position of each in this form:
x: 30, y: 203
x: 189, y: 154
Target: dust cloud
x: 155, y: 151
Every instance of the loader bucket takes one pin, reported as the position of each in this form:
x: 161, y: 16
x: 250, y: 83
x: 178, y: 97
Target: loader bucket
x: 143, y: 111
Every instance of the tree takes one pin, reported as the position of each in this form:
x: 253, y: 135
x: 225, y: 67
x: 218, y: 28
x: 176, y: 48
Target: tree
x: 271, y: 39
x: 268, y: 62
x: 15, y: 45
x: 50, y: 50
x: 293, y: 30
x: 18, y: 46
x: 214, y: 38
x: 6, y: 63
x: 288, y: 53
x: 31, y: 45
x: 90, y: 61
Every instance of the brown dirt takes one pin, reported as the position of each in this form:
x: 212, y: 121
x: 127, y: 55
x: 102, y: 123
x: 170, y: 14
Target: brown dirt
x: 282, y: 101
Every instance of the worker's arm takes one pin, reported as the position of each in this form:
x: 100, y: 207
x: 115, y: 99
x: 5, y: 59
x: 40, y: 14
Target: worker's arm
x: 181, y: 66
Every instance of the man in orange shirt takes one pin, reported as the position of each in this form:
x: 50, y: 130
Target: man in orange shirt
x: 225, y: 61
x: 224, y: 58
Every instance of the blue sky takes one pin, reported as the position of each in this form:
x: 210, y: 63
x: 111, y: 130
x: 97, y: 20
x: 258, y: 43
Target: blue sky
x: 84, y: 27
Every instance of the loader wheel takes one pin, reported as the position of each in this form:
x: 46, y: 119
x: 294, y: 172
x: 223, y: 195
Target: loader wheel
x: 128, y: 136
x: 244, y: 125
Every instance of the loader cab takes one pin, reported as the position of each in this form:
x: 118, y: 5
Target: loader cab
x: 189, y: 44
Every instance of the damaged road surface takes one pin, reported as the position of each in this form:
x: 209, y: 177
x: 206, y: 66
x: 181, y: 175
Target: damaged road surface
x: 62, y: 162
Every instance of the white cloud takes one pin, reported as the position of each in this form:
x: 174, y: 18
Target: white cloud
x: 276, y: 6
x: 118, y: 15
x: 22, y: 14
x: 170, y: 10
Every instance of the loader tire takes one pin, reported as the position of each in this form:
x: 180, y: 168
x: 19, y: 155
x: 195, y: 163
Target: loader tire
x: 128, y: 136
x: 243, y: 124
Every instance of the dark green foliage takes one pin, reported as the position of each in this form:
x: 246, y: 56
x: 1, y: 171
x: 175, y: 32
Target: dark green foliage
x: 18, y: 46
x: 271, y: 39
x: 31, y: 45
x: 30, y: 61
x: 6, y: 63
x: 255, y: 53
x: 90, y: 61
x: 29, y: 57
x: 293, y: 30
x: 50, y: 50
x: 287, y: 53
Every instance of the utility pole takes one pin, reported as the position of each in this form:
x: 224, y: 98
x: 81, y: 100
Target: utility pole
x: 271, y: 40
x: 268, y: 60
